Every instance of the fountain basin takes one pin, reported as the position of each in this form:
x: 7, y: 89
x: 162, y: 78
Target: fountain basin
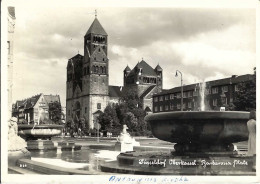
x: 46, y: 131
x: 200, y: 130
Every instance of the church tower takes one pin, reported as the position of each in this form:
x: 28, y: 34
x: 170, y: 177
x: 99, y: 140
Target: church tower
x: 95, y: 72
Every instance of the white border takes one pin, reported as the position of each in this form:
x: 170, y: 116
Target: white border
x: 112, y: 3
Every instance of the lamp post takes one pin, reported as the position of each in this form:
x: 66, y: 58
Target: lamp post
x: 176, y: 75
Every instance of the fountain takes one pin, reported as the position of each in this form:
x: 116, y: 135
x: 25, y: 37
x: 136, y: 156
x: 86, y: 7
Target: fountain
x: 38, y: 136
x: 203, y: 144
x: 202, y: 95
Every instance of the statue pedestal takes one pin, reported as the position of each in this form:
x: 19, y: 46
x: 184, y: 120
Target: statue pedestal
x: 124, y: 147
x: 125, y: 142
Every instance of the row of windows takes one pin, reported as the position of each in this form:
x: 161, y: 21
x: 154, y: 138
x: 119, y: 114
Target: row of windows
x: 99, y: 39
x: 176, y: 95
x: 171, y: 107
x: 187, y: 105
x: 95, y: 69
x: 149, y: 80
x: 189, y: 94
x: 131, y: 80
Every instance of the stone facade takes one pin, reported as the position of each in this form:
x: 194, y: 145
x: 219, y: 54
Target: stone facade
x: 10, y: 46
x: 88, y: 89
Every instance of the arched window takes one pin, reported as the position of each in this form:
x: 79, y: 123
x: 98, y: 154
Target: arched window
x: 101, y: 69
x: 97, y: 69
x: 104, y: 70
x: 94, y: 69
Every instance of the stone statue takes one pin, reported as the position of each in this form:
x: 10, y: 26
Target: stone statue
x: 125, y: 142
x: 251, y: 125
x: 15, y: 142
x: 124, y: 135
x: 16, y: 145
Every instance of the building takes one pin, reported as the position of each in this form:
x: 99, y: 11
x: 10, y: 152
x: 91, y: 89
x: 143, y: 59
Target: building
x: 145, y: 80
x: 10, y: 47
x: 218, y: 93
x: 88, y: 90
x: 34, y: 108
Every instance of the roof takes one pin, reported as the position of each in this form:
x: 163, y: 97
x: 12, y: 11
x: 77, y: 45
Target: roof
x: 115, y: 91
x: 20, y: 102
x: 11, y: 11
x: 148, y: 90
x: 127, y: 68
x: 29, y: 102
x: 158, y: 68
x: 178, y: 89
x: 220, y: 82
x: 146, y: 69
x: 76, y: 56
x: 231, y: 80
x: 52, y: 98
x: 96, y: 28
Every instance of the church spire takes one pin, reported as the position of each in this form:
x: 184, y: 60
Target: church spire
x: 96, y: 27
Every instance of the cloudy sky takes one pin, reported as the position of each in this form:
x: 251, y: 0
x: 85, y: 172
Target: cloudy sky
x: 203, y: 43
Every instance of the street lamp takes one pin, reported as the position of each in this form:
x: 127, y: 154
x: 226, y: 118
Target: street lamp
x: 176, y: 75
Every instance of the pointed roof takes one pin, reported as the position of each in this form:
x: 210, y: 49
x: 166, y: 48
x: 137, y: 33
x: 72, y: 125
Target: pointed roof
x: 158, y: 68
x: 96, y: 28
x: 127, y: 68
x: 146, y: 68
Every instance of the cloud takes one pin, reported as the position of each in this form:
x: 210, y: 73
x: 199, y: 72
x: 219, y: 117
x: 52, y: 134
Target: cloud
x: 202, y: 43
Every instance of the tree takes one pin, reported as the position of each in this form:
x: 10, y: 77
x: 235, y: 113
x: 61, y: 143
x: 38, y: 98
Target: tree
x: 55, y: 112
x: 70, y: 127
x: 131, y: 99
x: 245, y: 97
x: 131, y: 121
x: 129, y: 112
x: 108, y: 119
x: 132, y: 113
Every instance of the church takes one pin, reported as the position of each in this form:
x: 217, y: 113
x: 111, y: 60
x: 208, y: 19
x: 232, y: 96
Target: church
x: 87, y: 88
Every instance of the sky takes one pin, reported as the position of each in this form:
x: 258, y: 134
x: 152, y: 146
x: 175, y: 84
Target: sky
x: 202, y: 43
